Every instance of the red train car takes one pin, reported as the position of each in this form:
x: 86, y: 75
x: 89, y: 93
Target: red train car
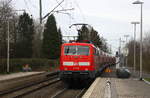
x: 81, y: 61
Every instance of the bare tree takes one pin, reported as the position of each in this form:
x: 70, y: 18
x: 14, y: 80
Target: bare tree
x: 146, y: 52
x: 7, y: 14
x: 146, y: 43
x: 37, y: 40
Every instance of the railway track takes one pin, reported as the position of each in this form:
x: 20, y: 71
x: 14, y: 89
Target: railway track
x: 69, y: 93
x: 26, y: 89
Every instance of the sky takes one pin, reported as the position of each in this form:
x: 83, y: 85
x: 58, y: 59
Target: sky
x: 111, y: 18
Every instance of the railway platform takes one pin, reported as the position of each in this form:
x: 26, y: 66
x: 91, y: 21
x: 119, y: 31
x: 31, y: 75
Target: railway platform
x: 17, y: 75
x: 109, y: 86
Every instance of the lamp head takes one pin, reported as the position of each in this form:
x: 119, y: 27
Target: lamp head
x: 137, y: 2
x: 135, y: 22
x: 126, y: 35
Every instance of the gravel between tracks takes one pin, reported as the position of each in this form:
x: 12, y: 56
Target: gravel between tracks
x: 47, y: 92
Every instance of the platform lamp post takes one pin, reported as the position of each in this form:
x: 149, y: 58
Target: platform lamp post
x: 8, y: 41
x: 134, y: 23
x: 141, y: 44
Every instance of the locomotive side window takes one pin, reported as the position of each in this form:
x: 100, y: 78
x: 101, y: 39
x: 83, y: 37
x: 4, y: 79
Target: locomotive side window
x: 76, y: 50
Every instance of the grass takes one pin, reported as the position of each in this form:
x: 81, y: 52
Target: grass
x: 148, y: 79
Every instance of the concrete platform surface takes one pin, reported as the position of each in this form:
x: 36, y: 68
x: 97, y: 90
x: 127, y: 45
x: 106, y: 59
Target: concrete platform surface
x: 17, y: 75
x: 97, y: 89
x: 118, y: 88
x: 129, y: 88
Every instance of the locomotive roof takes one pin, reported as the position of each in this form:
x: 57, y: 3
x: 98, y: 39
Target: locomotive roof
x: 76, y: 43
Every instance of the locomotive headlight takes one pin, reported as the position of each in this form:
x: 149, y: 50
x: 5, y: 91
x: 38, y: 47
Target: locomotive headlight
x: 68, y: 63
x: 84, y: 63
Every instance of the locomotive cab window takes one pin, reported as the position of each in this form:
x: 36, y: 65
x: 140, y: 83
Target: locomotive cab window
x: 76, y: 50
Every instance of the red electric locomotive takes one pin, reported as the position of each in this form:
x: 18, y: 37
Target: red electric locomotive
x: 81, y: 61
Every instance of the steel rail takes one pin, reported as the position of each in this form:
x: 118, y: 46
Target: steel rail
x: 38, y: 88
x: 50, y: 76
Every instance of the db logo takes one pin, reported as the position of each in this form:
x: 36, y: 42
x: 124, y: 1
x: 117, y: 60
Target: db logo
x: 76, y: 63
x: 76, y: 68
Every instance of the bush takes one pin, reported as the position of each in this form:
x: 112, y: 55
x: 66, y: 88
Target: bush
x: 36, y: 64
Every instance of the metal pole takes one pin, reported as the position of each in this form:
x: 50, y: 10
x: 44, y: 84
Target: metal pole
x: 120, y: 56
x: 141, y: 44
x: 8, y: 48
x: 110, y: 48
x: 123, y: 56
x: 126, y: 36
x: 40, y: 3
x: 126, y: 56
x: 120, y: 45
x: 126, y: 61
x: 134, y: 68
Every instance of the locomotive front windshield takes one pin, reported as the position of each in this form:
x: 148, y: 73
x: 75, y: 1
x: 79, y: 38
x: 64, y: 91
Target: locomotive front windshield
x: 76, y: 50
